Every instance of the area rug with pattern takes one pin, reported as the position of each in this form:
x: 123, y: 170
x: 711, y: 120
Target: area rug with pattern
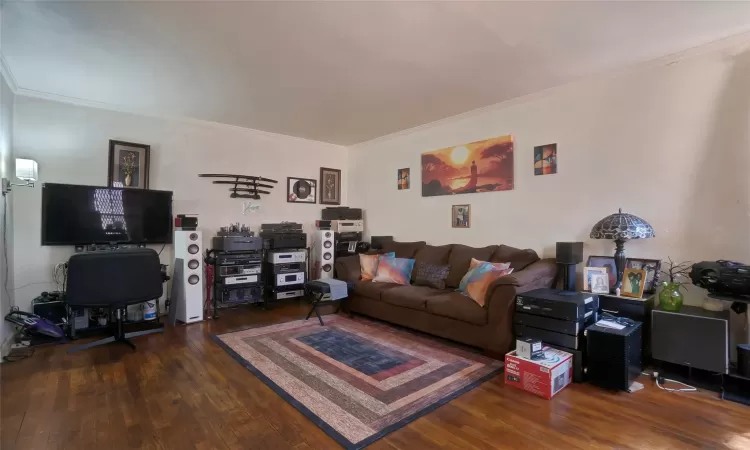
x: 356, y: 379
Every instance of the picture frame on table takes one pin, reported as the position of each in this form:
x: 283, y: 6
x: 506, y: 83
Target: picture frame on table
x: 128, y: 165
x: 588, y: 271
x: 599, y: 282
x: 633, y: 283
x: 330, y: 186
x: 607, y: 262
x: 652, y: 268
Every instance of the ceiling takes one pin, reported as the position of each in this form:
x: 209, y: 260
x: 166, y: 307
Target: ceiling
x: 339, y: 72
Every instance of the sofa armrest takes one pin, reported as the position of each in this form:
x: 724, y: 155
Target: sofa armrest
x: 347, y: 268
x: 540, y: 274
x: 500, y: 302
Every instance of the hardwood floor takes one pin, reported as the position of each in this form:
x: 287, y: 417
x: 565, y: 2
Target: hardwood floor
x: 180, y: 390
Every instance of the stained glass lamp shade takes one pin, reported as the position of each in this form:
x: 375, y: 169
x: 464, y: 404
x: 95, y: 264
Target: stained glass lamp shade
x: 621, y: 227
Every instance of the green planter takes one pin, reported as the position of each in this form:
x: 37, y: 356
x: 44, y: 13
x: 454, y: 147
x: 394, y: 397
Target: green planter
x: 670, y: 298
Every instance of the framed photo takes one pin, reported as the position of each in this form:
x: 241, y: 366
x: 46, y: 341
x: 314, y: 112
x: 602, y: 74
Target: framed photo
x: 404, y: 179
x: 652, y: 268
x: 330, y: 186
x: 545, y: 159
x: 301, y: 190
x: 599, y: 283
x: 588, y: 271
x: 608, y: 262
x: 461, y: 216
x: 633, y: 282
x: 128, y: 165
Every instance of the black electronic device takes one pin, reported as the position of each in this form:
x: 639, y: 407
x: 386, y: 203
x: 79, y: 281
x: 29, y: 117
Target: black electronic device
x: 565, y: 340
x: 722, y: 277
x: 236, y: 295
x: 613, y: 357
x: 239, y: 259
x: 743, y: 360
x: 692, y: 337
x: 323, y: 224
x: 238, y: 270
x: 75, y: 215
x: 278, y: 241
x: 570, y: 327
x: 187, y: 222
x: 349, y: 248
x: 50, y: 307
x: 376, y: 242
x: 282, y: 227
x: 568, y: 255
x: 341, y: 213
x: 565, y: 305
x: 237, y: 243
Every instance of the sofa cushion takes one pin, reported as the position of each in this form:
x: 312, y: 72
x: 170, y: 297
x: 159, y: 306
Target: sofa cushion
x: 403, y: 249
x: 367, y: 288
x: 434, y: 254
x: 430, y: 275
x: 517, y: 258
x: 457, y: 306
x: 412, y: 297
x: 460, y: 258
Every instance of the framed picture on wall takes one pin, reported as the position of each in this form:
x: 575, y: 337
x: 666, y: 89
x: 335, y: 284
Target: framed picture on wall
x: 330, y: 186
x: 301, y: 190
x: 461, y: 216
x: 128, y: 165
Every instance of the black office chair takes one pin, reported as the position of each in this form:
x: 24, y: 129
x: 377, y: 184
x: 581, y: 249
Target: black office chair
x: 114, y: 279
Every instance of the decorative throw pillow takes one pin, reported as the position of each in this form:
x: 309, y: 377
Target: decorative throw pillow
x: 430, y: 275
x: 477, y: 280
x: 499, y: 265
x: 394, y: 270
x: 369, y: 264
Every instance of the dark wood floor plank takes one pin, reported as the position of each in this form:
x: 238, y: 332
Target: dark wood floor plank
x: 181, y: 391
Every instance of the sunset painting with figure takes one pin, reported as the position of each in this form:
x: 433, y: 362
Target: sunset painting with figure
x: 481, y: 166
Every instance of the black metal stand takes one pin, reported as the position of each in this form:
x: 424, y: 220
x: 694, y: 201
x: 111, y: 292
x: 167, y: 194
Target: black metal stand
x: 119, y: 336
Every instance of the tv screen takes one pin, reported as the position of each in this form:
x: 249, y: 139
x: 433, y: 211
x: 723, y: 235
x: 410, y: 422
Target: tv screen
x: 73, y: 215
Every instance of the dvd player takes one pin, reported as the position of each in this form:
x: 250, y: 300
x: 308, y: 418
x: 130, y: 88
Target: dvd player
x: 546, y: 336
x: 571, y: 327
x: 564, y: 305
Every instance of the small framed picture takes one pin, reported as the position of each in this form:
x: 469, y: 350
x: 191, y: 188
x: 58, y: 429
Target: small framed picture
x: 461, y: 216
x: 545, y: 159
x: 599, y: 283
x: 128, y: 165
x: 588, y: 271
x: 404, y: 181
x: 652, y: 268
x: 301, y: 190
x: 608, y: 262
x: 330, y: 186
x: 633, y: 282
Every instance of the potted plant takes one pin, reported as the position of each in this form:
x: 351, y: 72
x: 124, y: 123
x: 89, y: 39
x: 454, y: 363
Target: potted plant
x: 670, y: 297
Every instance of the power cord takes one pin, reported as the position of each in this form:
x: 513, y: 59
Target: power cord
x: 660, y: 380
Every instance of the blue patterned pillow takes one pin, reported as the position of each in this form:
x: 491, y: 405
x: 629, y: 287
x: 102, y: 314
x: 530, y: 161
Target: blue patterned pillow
x: 394, y: 270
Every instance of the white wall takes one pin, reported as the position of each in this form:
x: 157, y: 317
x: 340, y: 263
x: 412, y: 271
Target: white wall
x: 70, y: 143
x: 669, y: 144
x: 7, y: 170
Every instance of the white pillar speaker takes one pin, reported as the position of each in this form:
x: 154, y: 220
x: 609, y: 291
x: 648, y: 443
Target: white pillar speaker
x: 323, y: 251
x: 188, y: 283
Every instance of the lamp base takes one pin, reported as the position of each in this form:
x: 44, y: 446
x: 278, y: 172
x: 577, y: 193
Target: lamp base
x: 619, y: 262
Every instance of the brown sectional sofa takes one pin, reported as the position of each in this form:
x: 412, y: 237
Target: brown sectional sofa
x: 447, y: 313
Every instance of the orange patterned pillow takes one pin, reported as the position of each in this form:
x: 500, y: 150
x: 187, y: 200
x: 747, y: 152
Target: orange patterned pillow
x: 478, y: 279
x: 369, y: 264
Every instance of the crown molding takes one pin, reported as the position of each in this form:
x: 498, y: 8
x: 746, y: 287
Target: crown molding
x: 731, y: 46
x: 7, y: 74
x: 143, y: 113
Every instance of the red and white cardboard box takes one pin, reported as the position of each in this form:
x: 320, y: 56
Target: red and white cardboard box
x: 543, y: 377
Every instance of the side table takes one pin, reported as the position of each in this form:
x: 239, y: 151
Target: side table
x: 638, y: 309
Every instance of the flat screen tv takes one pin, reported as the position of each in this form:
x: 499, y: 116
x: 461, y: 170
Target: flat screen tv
x: 76, y: 215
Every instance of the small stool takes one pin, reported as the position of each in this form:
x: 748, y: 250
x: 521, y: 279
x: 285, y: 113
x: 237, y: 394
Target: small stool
x: 318, y: 290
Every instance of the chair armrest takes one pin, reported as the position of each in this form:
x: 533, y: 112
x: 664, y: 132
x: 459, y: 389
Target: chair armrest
x: 348, y: 268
